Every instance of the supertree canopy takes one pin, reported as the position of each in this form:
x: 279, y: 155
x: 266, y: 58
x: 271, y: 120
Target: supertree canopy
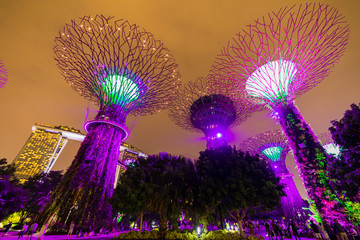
x: 329, y: 145
x: 203, y: 106
x: 281, y: 56
x: 3, y: 74
x: 123, y: 69
x: 273, y: 145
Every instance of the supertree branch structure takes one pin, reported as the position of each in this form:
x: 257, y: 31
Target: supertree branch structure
x: 273, y: 146
x: 3, y: 74
x: 279, y: 57
x: 203, y: 106
x: 125, y: 70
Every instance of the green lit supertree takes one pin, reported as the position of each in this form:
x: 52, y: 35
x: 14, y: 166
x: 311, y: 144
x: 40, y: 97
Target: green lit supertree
x: 124, y: 70
x: 279, y: 57
x: 273, y: 146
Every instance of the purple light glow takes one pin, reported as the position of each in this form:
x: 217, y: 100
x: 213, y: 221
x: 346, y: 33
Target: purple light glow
x: 204, y: 106
x: 292, y: 203
x: 122, y: 128
x: 279, y: 57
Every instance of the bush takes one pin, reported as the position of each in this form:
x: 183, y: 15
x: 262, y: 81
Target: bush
x: 155, y: 234
x: 227, y: 235
x: 172, y: 235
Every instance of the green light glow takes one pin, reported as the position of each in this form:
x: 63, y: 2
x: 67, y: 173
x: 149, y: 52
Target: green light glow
x: 271, y: 81
x: 120, y: 90
x: 273, y: 153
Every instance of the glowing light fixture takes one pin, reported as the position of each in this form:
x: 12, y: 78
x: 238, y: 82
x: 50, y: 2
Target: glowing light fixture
x: 273, y: 153
x: 271, y: 81
x: 120, y: 90
x: 332, y: 149
x: 219, y: 135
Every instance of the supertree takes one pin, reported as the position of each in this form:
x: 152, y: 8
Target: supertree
x: 274, y: 146
x: 3, y: 74
x: 279, y: 57
x: 203, y: 106
x: 329, y: 145
x: 123, y: 69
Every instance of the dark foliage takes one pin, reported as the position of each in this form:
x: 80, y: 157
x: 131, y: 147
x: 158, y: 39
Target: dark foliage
x: 233, y: 182
x: 38, y: 189
x: 345, y: 171
x: 160, y: 184
x: 12, y: 196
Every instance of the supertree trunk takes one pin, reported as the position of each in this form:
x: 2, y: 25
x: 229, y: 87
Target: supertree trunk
x: 292, y: 204
x: 216, y: 138
x: 310, y: 157
x: 89, y: 181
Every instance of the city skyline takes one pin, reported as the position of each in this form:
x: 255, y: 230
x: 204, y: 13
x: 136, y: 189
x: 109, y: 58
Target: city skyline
x: 195, y: 33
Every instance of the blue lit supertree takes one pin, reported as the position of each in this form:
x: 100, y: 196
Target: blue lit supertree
x: 3, y: 74
x: 274, y: 146
x: 124, y: 70
x: 203, y: 106
x: 279, y: 57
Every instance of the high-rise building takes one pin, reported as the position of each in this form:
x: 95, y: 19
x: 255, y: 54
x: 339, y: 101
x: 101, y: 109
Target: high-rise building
x: 128, y: 155
x: 42, y: 149
x: 45, y: 145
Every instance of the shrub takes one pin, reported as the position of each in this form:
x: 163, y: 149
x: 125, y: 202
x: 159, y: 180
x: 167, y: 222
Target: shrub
x: 227, y: 235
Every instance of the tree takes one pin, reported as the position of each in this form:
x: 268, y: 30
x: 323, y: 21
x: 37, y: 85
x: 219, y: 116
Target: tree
x: 38, y: 189
x: 12, y: 196
x: 160, y: 184
x: 7, y: 171
x: 345, y: 171
x: 131, y: 194
x: 237, y: 182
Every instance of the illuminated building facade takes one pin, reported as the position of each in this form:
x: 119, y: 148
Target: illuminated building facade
x: 128, y: 155
x: 45, y: 145
x: 42, y: 149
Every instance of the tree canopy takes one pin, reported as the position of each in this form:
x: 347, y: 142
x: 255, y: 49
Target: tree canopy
x: 235, y: 182
x: 160, y: 184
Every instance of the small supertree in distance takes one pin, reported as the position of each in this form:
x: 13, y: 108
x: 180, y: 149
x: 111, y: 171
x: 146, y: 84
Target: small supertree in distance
x: 203, y: 106
x: 274, y: 147
x: 279, y: 57
x: 3, y: 74
x: 123, y: 69
x: 329, y: 145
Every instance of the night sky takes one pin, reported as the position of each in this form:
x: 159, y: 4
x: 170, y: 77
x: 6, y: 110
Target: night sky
x: 193, y: 30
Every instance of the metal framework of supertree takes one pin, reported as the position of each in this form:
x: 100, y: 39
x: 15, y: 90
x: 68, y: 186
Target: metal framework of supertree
x: 124, y: 70
x: 273, y: 145
x: 3, y: 74
x: 203, y: 106
x: 328, y: 144
x: 279, y: 57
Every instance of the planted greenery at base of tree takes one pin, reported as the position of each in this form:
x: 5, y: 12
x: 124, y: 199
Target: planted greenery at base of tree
x: 213, y: 235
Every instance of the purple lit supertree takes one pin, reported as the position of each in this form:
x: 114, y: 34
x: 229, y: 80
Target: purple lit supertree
x: 3, y: 74
x: 203, y: 106
x: 124, y: 70
x: 274, y: 146
x: 279, y: 57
